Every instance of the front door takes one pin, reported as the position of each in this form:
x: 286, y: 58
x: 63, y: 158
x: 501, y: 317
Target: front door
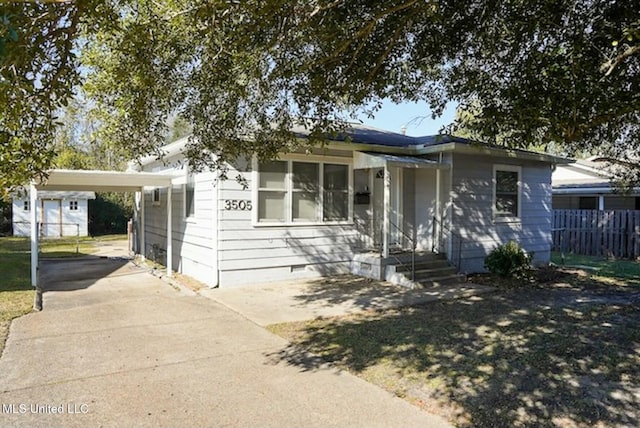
x: 51, y: 226
x: 396, y: 218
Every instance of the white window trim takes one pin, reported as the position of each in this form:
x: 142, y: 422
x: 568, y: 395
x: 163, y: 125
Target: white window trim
x: 511, y: 219
x: 155, y: 202
x: 320, y: 160
x: 74, y: 203
x: 189, y: 179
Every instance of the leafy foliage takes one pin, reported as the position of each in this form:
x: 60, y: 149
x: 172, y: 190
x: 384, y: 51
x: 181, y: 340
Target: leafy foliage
x: 245, y: 74
x: 109, y: 213
x: 509, y: 260
x: 38, y: 71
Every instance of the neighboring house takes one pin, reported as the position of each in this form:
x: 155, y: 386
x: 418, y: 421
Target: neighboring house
x: 357, y: 206
x: 586, y: 185
x: 60, y: 213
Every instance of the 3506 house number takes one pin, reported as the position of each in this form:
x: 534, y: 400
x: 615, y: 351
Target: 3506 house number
x: 237, y: 205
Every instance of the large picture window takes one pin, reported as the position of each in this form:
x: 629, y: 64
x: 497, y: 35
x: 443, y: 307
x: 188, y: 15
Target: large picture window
x: 302, y: 192
x: 506, y: 191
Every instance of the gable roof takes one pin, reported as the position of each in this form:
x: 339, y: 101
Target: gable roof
x: 366, y: 138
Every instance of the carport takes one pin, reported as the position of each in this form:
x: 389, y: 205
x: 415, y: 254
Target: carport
x: 100, y: 181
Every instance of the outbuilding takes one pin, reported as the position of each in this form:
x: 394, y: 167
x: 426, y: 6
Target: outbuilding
x: 61, y: 213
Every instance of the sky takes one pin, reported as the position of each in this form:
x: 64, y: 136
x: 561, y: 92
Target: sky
x: 416, y: 117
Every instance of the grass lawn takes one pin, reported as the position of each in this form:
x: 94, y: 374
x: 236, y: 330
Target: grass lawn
x: 565, y: 353
x: 626, y: 270
x: 16, y: 292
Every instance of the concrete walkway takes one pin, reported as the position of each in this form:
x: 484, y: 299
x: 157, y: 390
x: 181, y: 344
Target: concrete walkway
x: 115, y: 346
x: 329, y: 297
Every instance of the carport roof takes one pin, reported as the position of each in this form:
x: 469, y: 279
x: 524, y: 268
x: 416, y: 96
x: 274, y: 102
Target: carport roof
x: 102, y: 181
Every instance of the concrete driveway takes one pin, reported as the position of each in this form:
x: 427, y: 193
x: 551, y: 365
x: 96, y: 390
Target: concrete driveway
x: 115, y: 346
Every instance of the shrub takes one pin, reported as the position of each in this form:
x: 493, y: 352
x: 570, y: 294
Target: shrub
x: 509, y: 260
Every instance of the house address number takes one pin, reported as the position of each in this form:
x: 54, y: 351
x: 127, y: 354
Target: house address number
x: 237, y: 205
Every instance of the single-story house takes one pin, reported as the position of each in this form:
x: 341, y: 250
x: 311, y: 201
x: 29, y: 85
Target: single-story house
x: 586, y: 185
x: 360, y: 204
x: 61, y: 213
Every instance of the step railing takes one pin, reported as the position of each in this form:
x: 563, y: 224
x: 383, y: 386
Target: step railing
x: 441, y: 232
x: 413, y: 241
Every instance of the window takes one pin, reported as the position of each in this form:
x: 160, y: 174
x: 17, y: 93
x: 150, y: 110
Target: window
x: 156, y: 197
x: 73, y: 205
x: 26, y: 205
x: 272, y: 191
x: 336, y: 192
x: 303, y: 192
x: 506, y: 191
x: 588, y: 203
x: 189, y: 197
x: 306, y: 197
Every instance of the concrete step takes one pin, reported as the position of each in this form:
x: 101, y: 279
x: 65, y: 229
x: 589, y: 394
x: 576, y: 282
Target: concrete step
x: 423, y: 265
x: 405, y: 257
x: 432, y: 273
x: 442, y: 280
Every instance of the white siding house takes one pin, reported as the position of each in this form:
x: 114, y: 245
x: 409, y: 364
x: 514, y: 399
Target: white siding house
x: 586, y: 185
x: 60, y: 214
x: 358, y: 207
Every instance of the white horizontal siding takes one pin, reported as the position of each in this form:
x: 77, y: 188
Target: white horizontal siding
x: 192, y: 244
x: 274, y: 252
x: 22, y: 218
x: 472, y: 213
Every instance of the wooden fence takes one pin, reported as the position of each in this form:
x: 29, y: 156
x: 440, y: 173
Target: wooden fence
x: 597, y: 233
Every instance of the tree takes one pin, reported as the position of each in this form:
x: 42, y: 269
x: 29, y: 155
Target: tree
x: 38, y: 72
x: 244, y: 73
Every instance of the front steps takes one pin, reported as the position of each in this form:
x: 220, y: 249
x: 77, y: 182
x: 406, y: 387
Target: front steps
x: 431, y: 270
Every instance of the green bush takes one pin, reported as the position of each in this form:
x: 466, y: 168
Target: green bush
x: 509, y: 260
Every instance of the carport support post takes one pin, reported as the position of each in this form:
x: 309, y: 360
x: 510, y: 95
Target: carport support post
x: 141, y: 225
x: 169, y: 233
x: 33, y: 204
x: 33, y: 194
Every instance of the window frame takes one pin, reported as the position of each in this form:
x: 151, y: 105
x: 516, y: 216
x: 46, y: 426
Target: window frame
x: 510, y: 218
x: 189, y: 182
x: 155, y: 197
x: 289, y: 191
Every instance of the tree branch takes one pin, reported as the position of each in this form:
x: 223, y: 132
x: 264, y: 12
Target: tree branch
x: 610, y: 65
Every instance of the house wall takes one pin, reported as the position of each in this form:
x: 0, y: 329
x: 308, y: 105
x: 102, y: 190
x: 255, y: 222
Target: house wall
x: 193, y: 243
x: 472, y: 210
x: 22, y: 218
x: 362, y: 212
x: 251, y: 253
x: 222, y: 246
x: 71, y: 218
x: 424, y: 206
